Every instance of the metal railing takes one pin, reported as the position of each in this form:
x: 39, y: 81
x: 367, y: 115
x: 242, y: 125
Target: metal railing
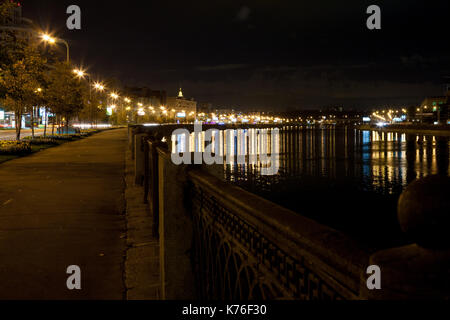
x: 220, y: 242
x: 246, y: 247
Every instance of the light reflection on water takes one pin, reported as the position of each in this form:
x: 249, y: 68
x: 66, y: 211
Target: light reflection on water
x: 342, y: 177
x: 375, y: 161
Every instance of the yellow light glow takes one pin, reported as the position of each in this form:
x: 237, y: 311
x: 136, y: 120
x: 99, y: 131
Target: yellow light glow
x: 80, y: 73
x: 98, y: 86
x: 48, y: 38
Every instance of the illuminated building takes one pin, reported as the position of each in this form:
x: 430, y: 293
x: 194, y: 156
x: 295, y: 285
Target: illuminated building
x: 433, y: 110
x: 17, y: 25
x: 182, y: 109
x: 147, y: 96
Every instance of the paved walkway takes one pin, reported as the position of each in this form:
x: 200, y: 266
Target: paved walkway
x: 60, y: 207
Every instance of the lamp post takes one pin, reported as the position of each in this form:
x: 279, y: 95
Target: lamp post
x: 51, y: 40
x: 98, y: 87
x: 81, y: 74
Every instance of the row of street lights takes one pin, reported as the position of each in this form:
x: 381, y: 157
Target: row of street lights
x: 81, y: 74
x: 98, y: 86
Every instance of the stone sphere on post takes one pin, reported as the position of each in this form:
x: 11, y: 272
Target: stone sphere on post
x: 424, y: 212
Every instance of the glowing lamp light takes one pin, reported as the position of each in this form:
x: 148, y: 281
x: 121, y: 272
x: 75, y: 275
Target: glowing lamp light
x: 79, y: 73
x: 99, y: 86
x: 48, y: 38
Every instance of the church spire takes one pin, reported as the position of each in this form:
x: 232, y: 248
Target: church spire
x: 180, y: 94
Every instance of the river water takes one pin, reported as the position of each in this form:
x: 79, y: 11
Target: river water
x: 345, y: 178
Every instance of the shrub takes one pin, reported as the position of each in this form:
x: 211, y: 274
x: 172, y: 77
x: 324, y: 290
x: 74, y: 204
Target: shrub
x: 42, y: 140
x: 63, y: 137
x: 15, y: 147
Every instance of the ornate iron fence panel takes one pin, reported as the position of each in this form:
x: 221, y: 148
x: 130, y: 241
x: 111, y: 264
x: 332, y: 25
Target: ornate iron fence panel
x: 233, y: 260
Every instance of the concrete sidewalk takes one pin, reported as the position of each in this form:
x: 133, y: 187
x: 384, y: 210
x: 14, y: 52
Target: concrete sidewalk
x: 60, y: 207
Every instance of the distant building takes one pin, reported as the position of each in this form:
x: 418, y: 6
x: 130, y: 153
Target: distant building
x: 181, y: 108
x: 223, y: 111
x: 16, y: 25
x: 145, y: 95
x: 433, y: 110
x: 204, y: 107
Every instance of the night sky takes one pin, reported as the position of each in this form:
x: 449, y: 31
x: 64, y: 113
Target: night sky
x: 262, y: 54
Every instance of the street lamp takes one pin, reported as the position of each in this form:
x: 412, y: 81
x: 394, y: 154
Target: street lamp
x: 51, y: 40
x: 99, y: 87
x: 81, y: 74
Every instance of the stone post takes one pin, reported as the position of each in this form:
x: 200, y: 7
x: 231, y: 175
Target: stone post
x: 131, y: 140
x: 420, y: 270
x: 139, y: 158
x: 130, y: 136
x: 175, y: 231
x: 153, y: 183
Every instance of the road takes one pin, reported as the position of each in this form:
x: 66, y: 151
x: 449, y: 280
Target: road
x: 60, y: 207
x: 11, y: 134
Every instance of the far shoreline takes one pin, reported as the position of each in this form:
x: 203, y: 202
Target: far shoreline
x: 442, y: 131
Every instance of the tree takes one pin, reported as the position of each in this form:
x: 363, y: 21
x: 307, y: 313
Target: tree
x: 93, y: 110
x: 20, y: 71
x: 64, y: 94
x: 5, y: 8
